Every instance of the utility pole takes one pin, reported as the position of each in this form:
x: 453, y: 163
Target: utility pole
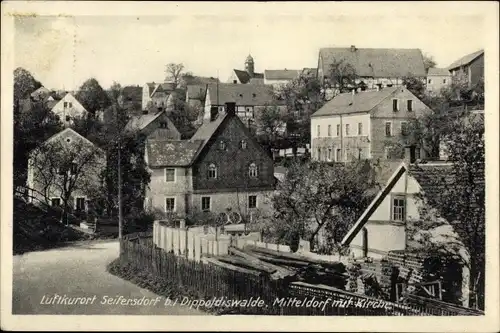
x: 120, y: 207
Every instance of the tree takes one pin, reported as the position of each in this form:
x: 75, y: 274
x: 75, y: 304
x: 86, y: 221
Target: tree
x: 415, y: 86
x: 461, y: 202
x: 173, y: 73
x: 33, y: 124
x: 92, y: 96
x: 66, y: 169
x: 342, y: 76
x: 24, y: 84
x: 317, y: 196
x: 271, y: 126
x: 429, y: 62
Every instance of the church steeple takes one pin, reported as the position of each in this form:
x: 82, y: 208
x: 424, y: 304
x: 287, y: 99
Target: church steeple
x: 250, y: 66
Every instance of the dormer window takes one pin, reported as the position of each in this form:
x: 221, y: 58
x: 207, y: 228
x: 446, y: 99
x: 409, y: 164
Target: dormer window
x: 253, y: 170
x: 222, y: 145
x: 243, y: 144
x: 163, y: 124
x: 212, y: 171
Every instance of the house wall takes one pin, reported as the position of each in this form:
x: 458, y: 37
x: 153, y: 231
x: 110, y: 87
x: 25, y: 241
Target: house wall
x: 232, y: 163
x: 160, y: 98
x: 383, y: 113
x: 476, y: 70
x: 233, y: 77
x: 349, y: 144
x: 437, y: 82
x: 235, y: 200
x: 384, y: 234
x: 159, y: 189
x: 76, y: 109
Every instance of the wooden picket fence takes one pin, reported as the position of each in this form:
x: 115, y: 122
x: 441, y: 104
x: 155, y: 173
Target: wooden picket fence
x: 209, y: 281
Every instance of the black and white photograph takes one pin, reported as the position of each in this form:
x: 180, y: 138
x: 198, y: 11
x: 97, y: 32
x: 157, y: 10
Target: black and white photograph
x: 212, y: 162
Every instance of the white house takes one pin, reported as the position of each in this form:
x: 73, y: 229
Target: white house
x: 68, y: 108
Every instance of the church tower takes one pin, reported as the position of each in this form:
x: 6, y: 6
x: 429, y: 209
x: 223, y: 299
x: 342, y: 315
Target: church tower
x: 249, y: 66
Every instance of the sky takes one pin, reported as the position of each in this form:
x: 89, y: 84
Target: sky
x: 63, y: 51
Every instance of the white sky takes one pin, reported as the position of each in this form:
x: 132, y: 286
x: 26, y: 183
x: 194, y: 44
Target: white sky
x: 62, y: 52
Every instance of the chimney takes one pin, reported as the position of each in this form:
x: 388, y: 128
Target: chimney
x: 353, y: 48
x: 409, y: 154
x: 231, y: 108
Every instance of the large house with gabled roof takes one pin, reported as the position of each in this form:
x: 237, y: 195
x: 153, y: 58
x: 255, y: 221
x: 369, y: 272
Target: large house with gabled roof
x: 221, y: 168
x: 471, y: 66
x: 373, y: 66
x: 156, y: 94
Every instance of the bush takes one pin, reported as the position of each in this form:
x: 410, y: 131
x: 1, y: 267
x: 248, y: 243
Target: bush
x: 138, y: 221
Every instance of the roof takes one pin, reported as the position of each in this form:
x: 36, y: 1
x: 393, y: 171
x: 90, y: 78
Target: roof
x: 241, y: 94
x: 151, y: 87
x: 244, y: 77
x: 71, y: 131
x: 40, y: 91
x: 164, y: 87
x: 363, y: 101
x: 256, y: 81
x: 438, y: 72
x: 162, y: 153
x: 140, y: 122
x: 198, y: 80
x: 465, y: 60
x: 196, y: 91
x: 281, y: 74
x: 310, y: 71
x: 377, y: 62
x: 132, y: 93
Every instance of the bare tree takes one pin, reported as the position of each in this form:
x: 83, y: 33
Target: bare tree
x: 173, y: 73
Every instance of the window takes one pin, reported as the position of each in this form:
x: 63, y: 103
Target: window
x: 55, y: 202
x: 329, y: 154
x: 170, y: 204
x: 444, y: 80
x: 212, y: 171
x: 409, y: 105
x: 329, y: 130
x: 163, y: 124
x: 429, y: 81
x: 80, y: 204
x: 404, y: 128
x: 395, y: 105
x: 398, y: 208
x: 243, y: 144
x: 254, y: 95
x: 73, y: 169
x: 319, y: 154
x: 360, y: 153
x: 205, y: 204
x: 235, y: 81
x: 318, y: 130
x: 65, y: 104
x: 70, y: 105
x: 170, y: 175
x: 338, y: 156
x: 347, y: 129
x: 252, y: 201
x: 68, y: 118
x: 338, y: 130
x: 388, y: 128
x: 253, y: 170
x: 347, y: 156
x: 360, y: 128
x: 222, y: 145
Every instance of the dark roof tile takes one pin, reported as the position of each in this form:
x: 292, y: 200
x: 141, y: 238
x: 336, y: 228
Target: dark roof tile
x: 164, y: 153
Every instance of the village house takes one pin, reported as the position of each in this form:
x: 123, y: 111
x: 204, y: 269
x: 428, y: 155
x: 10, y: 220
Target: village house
x: 68, y: 108
x: 245, y: 76
x: 437, y: 79
x: 41, y: 94
x: 471, y: 65
x: 364, y: 125
x: 153, y: 125
x: 374, y: 67
x: 277, y: 77
x: 221, y: 168
x: 250, y: 100
x: 385, y: 226
x: 156, y: 94
x: 67, y: 160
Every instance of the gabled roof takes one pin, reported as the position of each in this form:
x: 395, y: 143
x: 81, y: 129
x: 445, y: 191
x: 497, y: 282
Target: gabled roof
x: 438, y: 72
x: 241, y: 94
x: 376, y: 63
x: 164, y: 87
x: 163, y: 153
x: 40, y: 91
x: 255, y: 80
x: 244, y: 77
x: 465, y: 60
x: 281, y: 74
x: 138, y: 123
x: 151, y: 87
x: 432, y: 179
x: 363, y: 101
x: 69, y: 131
